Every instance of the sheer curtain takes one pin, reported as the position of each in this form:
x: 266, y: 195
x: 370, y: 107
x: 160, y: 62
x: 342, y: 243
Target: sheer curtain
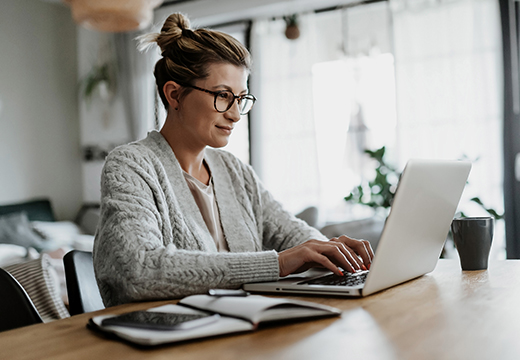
x: 323, y: 99
x: 448, y: 60
x: 282, y: 126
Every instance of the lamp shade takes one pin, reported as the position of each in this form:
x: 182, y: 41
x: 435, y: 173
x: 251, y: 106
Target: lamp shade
x: 113, y: 15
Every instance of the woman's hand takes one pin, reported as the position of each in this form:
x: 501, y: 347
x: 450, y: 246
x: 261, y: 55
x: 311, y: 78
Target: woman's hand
x: 341, y: 252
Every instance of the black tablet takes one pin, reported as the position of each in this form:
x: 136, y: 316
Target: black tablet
x: 160, y: 320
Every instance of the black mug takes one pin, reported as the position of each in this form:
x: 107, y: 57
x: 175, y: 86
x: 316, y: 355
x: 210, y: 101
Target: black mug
x: 472, y: 237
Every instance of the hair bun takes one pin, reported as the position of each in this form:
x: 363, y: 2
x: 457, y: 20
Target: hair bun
x: 172, y: 29
x: 175, y: 25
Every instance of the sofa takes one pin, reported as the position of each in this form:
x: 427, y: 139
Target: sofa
x: 32, y: 246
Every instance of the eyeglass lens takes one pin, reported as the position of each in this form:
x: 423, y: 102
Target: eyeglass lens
x: 225, y: 99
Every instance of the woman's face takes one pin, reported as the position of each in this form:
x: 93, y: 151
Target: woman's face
x: 202, y: 123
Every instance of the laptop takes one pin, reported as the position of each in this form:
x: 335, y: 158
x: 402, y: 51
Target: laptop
x: 411, y: 242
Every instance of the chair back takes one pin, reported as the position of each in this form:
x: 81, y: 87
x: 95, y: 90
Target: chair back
x: 16, y: 308
x: 82, y: 287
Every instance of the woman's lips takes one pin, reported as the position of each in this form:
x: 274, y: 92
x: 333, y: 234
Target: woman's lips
x: 226, y: 129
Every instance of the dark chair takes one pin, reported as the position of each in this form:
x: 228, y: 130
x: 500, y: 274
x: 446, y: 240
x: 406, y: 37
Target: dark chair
x: 82, y: 287
x: 16, y: 308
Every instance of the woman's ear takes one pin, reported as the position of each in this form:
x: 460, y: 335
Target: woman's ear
x: 171, y: 92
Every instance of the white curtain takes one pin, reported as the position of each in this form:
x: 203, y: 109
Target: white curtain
x: 282, y: 125
x: 321, y: 104
x: 448, y: 60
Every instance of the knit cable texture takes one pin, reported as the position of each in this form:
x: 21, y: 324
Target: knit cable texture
x: 152, y: 242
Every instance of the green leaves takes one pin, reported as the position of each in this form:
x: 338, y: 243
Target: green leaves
x: 490, y: 211
x: 380, y: 191
x: 98, y: 75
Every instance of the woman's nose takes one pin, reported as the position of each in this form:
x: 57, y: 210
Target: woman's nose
x: 233, y: 113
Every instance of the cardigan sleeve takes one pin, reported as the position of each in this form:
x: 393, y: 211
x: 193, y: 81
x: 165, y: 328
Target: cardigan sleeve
x: 135, y: 259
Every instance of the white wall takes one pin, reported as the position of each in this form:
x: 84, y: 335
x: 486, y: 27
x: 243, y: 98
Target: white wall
x: 102, y: 121
x: 39, y: 127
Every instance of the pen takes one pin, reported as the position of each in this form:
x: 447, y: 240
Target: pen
x: 227, y: 292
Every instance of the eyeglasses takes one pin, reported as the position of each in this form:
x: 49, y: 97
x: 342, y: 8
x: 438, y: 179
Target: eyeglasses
x: 224, y: 99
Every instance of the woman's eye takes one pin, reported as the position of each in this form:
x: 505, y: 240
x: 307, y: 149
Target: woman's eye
x: 223, y: 95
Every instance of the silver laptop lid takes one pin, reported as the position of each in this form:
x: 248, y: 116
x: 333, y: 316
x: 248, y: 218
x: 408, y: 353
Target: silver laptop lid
x: 423, y: 208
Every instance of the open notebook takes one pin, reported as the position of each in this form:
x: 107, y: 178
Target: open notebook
x: 220, y: 315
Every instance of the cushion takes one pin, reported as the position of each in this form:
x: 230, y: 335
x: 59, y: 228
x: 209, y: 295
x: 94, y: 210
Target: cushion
x: 309, y: 215
x: 12, y: 254
x: 57, y: 233
x: 88, y: 218
x: 41, y: 282
x: 16, y: 229
x: 63, y: 234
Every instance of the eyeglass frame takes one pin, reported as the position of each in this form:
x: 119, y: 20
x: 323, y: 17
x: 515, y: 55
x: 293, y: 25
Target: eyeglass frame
x: 216, y: 93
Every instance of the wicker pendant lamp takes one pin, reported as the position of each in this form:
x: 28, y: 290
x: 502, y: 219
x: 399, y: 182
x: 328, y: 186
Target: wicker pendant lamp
x: 113, y: 15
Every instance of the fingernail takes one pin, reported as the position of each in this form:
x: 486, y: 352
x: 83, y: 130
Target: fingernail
x: 368, y: 266
x: 340, y: 272
x: 363, y: 267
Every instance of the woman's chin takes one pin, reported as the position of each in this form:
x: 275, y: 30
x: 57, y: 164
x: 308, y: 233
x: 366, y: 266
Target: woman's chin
x: 219, y: 142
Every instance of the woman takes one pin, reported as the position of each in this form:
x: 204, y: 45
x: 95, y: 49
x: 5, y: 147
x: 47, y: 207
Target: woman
x: 178, y: 217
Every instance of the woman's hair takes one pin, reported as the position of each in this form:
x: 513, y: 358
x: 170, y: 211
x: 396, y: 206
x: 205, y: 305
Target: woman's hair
x: 187, y: 53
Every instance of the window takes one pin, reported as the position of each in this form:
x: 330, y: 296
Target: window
x: 354, y: 110
x: 423, y: 79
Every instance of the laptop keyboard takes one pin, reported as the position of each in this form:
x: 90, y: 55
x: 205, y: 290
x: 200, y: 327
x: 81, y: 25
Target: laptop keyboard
x: 349, y: 279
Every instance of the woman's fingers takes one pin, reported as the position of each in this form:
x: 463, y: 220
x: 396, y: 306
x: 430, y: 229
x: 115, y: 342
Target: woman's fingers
x: 341, y: 252
x: 350, y: 254
x: 329, y: 254
x: 339, y: 255
x: 360, y: 247
x: 326, y: 263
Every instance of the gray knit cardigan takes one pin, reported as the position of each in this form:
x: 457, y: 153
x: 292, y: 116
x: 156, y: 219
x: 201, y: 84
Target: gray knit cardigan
x: 152, y: 242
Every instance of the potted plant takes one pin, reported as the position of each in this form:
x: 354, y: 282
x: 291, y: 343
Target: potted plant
x: 379, y: 192
x: 292, y: 32
x: 100, y: 79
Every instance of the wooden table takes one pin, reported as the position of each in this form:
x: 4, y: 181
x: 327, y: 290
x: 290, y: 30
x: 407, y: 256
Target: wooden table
x: 447, y: 314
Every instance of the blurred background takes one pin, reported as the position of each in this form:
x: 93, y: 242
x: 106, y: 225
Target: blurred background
x: 333, y: 78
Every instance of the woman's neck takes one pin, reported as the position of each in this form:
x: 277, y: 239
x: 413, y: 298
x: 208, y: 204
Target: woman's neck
x: 190, y: 158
